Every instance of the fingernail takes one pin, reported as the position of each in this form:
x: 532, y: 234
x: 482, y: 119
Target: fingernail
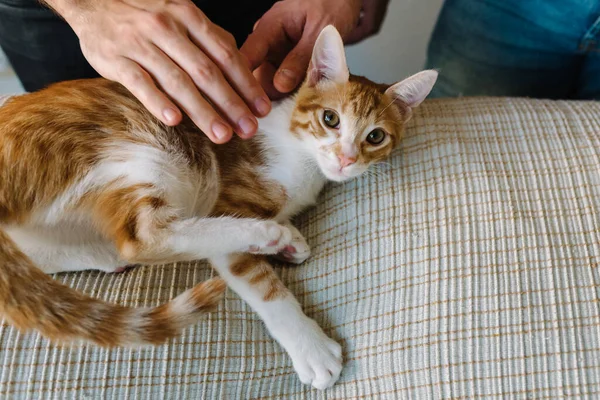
x: 220, y: 130
x: 262, y: 106
x: 287, y: 78
x: 170, y: 115
x: 247, y: 125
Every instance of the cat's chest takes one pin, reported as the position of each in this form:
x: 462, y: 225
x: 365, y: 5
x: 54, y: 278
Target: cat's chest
x: 300, y: 181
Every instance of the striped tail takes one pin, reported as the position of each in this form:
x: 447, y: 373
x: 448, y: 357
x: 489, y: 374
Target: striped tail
x: 32, y: 300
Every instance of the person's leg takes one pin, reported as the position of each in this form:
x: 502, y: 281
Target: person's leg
x: 43, y: 49
x: 509, y: 47
x: 589, y: 79
x: 588, y: 86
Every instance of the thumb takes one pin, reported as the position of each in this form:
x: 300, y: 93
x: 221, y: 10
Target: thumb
x: 264, y: 75
x: 268, y: 36
x: 293, y: 68
x: 255, y: 48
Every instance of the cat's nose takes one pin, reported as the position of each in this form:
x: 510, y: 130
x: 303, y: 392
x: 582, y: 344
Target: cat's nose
x: 345, y: 160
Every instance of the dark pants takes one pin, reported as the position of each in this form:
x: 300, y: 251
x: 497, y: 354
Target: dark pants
x: 43, y: 49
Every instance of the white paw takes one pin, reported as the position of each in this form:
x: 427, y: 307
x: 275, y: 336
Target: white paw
x: 269, y: 237
x: 296, y: 252
x: 317, y: 358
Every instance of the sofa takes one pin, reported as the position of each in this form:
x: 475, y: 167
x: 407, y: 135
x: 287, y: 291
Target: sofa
x: 466, y: 266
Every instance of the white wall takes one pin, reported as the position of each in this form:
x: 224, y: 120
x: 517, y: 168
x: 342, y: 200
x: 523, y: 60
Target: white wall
x: 8, y: 82
x: 398, y: 51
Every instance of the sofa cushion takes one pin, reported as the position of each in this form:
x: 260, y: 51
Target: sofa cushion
x: 465, y: 266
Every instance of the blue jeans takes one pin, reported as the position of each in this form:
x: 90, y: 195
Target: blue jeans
x: 535, y: 48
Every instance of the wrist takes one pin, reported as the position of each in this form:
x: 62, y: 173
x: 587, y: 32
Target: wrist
x: 72, y: 11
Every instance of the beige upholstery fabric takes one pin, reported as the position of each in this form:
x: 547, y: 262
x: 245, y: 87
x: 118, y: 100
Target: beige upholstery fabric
x: 466, y: 267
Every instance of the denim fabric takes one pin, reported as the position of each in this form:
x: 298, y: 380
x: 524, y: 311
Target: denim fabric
x: 536, y: 48
x: 43, y: 49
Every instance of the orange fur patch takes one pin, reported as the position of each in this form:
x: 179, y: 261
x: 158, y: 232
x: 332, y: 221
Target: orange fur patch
x: 243, y: 192
x: 257, y: 270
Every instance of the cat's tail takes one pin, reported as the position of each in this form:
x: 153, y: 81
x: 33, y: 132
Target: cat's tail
x: 32, y: 300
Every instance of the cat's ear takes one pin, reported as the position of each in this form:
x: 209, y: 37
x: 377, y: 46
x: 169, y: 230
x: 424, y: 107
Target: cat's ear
x: 328, y: 60
x: 413, y: 90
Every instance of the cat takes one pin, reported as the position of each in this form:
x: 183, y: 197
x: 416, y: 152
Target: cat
x: 89, y: 179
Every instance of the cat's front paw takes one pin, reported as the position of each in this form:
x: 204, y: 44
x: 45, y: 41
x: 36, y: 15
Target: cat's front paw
x: 317, y: 358
x: 297, y: 251
x: 119, y: 270
x: 269, y: 237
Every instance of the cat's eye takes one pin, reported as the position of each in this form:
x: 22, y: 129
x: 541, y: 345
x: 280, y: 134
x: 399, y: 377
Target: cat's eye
x: 331, y: 118
x: 376, y: 136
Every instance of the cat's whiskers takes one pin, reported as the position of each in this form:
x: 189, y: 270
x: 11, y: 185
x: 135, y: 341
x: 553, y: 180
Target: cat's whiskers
x: 370, y: 173
x: 382, y: 163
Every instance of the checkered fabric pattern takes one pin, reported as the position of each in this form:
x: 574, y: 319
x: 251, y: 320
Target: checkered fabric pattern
x: 465, y: 267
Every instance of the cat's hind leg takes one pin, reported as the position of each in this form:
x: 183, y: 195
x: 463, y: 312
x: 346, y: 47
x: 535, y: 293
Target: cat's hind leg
x: 316, y: 358
x: 64, y: 249
x: 147, y: 229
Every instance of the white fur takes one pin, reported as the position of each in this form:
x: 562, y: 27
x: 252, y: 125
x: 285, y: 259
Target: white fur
x: 290, y: 161
x: 182, y: 304
x: 316, y: 358
x: 65, y: 247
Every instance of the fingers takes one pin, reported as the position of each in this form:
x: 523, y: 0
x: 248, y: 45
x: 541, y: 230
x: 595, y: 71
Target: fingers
x: 172, y: 58
x: 294, y: 66
x: 270, y: 41
x: 369, y: 24
x: 269, y: 36
x: 264, y: 75
x: 221, y: 47
x: 256, y: 48
x: 219, y: 70
x: 207, y: 77
x: 141, y: 85
x: 180, y: 87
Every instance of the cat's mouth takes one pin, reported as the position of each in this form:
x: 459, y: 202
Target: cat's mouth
x: 336, y: 174
x: 334, y: 171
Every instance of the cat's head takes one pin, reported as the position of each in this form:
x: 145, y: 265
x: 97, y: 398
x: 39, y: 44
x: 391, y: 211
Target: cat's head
x: 349, y: 122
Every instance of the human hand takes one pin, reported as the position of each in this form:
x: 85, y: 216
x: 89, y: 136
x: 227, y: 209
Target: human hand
x: 370, y: 21
x: 171, y: 57
x: 281, y: 45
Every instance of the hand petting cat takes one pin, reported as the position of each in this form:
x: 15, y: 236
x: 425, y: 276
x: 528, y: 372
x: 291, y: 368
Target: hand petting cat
x: 171, y: 57
x: 281, y: 45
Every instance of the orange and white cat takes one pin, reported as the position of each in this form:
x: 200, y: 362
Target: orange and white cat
x: 90, y: 180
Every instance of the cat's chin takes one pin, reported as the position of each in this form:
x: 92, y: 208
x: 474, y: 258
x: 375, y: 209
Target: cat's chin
x: 335, y: 175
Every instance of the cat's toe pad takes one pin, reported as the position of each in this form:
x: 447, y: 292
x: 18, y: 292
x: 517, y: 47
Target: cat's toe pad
x: 127, y: 267
x: 297, y: 252
x: 270, y: 238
